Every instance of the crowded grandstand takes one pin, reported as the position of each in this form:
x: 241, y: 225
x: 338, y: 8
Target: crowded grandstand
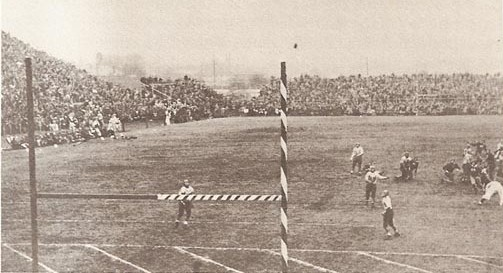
x: 73, y: 105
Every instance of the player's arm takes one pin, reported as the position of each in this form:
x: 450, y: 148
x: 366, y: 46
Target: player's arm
x: 381, y: 176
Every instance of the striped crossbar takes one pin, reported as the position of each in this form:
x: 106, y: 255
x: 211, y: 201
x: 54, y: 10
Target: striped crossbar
x: 168, y: 197
x: 219, y: 197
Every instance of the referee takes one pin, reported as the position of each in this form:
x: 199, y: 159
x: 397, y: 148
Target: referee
x: 388, y: 215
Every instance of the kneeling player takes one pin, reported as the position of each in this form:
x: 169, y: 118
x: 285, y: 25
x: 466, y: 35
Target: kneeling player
x: 449, y: 170
x: 491, y: 189
x: 388, y: 215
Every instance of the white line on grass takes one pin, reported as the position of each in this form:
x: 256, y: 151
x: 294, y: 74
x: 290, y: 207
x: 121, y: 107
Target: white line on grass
x: 394, y: 263
x: 194, y: 222
x: 478, y: 261
x: 223, y: 223
x: 431, y: 254
x: 30, y: 259
x: 208, y: 260
x: 319, y: 268
x: 342, y: 206
x: 118, y: 259
x: 260, y: 249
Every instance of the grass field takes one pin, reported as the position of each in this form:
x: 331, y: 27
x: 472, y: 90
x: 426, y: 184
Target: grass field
x: 330, y: 228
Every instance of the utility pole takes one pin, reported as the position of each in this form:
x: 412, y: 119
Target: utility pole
x: 214, y: 73
x: 367, y: 66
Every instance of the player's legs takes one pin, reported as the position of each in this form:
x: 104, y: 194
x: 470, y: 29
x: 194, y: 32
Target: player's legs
x: 181, y: 210
x: 373, y: 189
x: 188, y: 212
x: 487, y: 196
x: 386, y: 223
x: 391, y: 223
x: 359, y: 163
x: 368, y: 190
x: 404, y: 173
x: 475, y: 183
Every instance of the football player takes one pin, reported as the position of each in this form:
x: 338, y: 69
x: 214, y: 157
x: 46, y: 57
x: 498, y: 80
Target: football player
x: 371, y: 185
x: 491, y: 189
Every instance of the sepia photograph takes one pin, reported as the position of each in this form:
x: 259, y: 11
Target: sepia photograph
x: 289, y: 136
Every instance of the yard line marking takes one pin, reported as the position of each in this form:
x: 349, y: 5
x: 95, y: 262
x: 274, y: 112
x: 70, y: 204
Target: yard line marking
x: 478, y: 261
x: 194, y: 222
x: 260, y: 249
x: 219, y: 222
x: 487, y: 209
x: 208, y: 260
x: 394, y: 263
x: 431, y: 254
x: 30, y: 259
x: 319, y: 268
x: 117, y: 258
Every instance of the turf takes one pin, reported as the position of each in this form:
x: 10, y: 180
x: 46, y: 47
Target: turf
x: 241, y: 155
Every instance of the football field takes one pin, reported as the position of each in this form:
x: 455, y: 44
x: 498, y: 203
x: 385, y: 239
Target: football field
x: 330, y: 228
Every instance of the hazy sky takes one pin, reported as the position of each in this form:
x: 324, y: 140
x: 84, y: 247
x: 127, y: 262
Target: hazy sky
x: 333, y: 37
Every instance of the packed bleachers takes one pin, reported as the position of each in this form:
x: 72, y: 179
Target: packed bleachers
x: 68, y: 98
x: 187, y: 99
x: 426, y: 94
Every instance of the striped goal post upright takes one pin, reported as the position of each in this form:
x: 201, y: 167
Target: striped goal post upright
x: 283, y: 198
x: 283, y: 169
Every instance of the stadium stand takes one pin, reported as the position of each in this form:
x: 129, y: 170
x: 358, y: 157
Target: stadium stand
x: 70, y: 99
x: 425, y: 94
x: 74, y: 105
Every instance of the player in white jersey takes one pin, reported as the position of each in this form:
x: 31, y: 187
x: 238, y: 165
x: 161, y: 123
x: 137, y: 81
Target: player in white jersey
x: 388, y: 215
x: 371, y: 185
x: 491, y: 189
x: 167, y: 119
x: 357, y: 158
x: 184, y: 206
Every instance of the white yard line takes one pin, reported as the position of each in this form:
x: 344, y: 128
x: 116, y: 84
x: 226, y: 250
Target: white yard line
x: 319, y: 268
x: 224, y: 223
x: 261, y: 249
x: 29, y: 258
x: 195, y: 222
x: 117, y: 258
x: 478, y: 261
x: 208, y: 260
x: 394, y: 263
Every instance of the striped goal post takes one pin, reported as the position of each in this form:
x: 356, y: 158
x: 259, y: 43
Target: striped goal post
x: 283, y: 197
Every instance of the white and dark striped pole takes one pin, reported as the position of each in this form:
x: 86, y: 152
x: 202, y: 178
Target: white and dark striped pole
x: 284, y: 183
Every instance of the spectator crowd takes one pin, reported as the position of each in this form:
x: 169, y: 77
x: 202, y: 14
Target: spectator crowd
x: 72, y: 104
x: 417, y: 94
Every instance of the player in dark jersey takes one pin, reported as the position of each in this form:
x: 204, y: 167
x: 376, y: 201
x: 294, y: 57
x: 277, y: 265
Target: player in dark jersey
x: 449, y: 170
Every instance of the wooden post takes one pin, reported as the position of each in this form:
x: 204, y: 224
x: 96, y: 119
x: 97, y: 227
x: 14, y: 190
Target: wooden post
x: 31, y: 160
